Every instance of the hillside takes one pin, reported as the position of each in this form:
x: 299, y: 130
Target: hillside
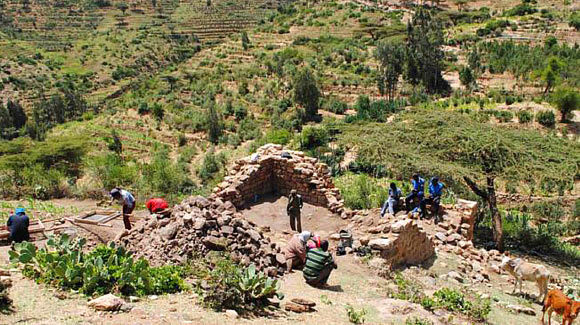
x: 162, y: 97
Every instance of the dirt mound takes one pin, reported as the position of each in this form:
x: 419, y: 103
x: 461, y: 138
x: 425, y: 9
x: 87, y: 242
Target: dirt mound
x: 198, y: 226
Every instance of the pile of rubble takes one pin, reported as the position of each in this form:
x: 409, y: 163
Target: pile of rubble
x: 274, y: 170
x: 199, y: 225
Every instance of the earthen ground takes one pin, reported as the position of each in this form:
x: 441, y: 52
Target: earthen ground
x: 271, y: 211
x: 354, y: 283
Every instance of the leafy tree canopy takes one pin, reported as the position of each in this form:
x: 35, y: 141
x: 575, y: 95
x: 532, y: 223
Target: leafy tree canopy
x: 454, y: 145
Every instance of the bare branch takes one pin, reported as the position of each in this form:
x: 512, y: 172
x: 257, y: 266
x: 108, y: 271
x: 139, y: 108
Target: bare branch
x: 475, y: 188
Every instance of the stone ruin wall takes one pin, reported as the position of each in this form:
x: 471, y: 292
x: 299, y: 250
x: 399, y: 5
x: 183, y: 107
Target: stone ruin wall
x: 403, y: 243
x: 268, y: 172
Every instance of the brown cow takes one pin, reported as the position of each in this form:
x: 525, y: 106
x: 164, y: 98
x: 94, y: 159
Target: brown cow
x: 557, y: 301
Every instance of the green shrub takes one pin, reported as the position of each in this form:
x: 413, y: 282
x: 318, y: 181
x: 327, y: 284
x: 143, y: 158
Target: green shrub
x: 278, y: 136
x: 122, y: 72
x: 417, y: 321
x: 355, y: 316
x: 249, y: 129
x: 504, y: 116
x: 211, y: 165
x: 181, y: 140
x: 361, y: 191
x: 336, y: 106
x: 158, y: 112
x: 456, y: 301
x: 543, y: 239
x: 112, y: 171
x: 546, y: 118
x: 162, y: 176
x: 105, y: 269
x: 575, y: 20
x: 548, y: 210
x: 521, y: 10
x: 566, y: 100
x: 240, y: 112
x: 525, y: 116
x: 312, y: 137
x: 231, y: 286
x: 40, y: 169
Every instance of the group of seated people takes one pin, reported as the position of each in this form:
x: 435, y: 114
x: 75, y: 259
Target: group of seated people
x: 308, y: 252
x: 391, y: 205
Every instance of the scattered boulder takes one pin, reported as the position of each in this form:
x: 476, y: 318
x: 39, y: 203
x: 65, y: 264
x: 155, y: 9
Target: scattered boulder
x: 108, y: 302
x: 455, y: 276
x: 232, y: 314
x: 380, y: 244
x: 521, y: 309
x: 299, y: 305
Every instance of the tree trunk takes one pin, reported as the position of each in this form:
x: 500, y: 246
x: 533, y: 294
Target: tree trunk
x: 489, y: 197
x: 495, y: 215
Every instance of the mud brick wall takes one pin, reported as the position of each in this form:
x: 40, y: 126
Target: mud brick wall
x: 267, y: 171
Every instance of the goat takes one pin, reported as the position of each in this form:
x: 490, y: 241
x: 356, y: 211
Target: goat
x: 522, y: 270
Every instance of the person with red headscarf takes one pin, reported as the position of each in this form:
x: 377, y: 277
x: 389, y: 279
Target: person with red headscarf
x: 156, y: 204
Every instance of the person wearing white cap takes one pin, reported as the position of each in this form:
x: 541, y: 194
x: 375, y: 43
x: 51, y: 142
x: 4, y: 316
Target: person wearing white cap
x: 295, y: 251
x: 127, y: 200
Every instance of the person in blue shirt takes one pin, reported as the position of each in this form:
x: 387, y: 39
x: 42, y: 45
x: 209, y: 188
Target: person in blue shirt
x: 392, y: 203
x: 434, y: 198
x: 18, y: 226
x: 417, y: 191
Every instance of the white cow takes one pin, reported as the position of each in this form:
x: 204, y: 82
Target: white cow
x: 522, y: 270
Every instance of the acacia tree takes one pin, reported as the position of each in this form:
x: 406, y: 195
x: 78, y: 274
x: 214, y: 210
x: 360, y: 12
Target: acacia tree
x: 391, y: 57
x: 468, y: 155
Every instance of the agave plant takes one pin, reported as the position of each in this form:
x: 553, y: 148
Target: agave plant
x: 256, y: 286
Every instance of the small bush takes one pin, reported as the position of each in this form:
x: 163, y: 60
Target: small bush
x: 355, y: 316
x: 456, y: 301
x: 313, y: 137
x: 336, y: 106
x: 143, y: 109
x: 240, y: 112
x: 181, y: 140
x: 418, y: 321
x: 361, y: 191
x: 546, y: 118
x: 230, y: 286
x: 566, y: 100
x: 504, y: 116
x: 575, y: 20
x: 521, y: 10
x: 525, y: 116
x: 211, y: 165
x: 158, y: 112
x: 278, y: 136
